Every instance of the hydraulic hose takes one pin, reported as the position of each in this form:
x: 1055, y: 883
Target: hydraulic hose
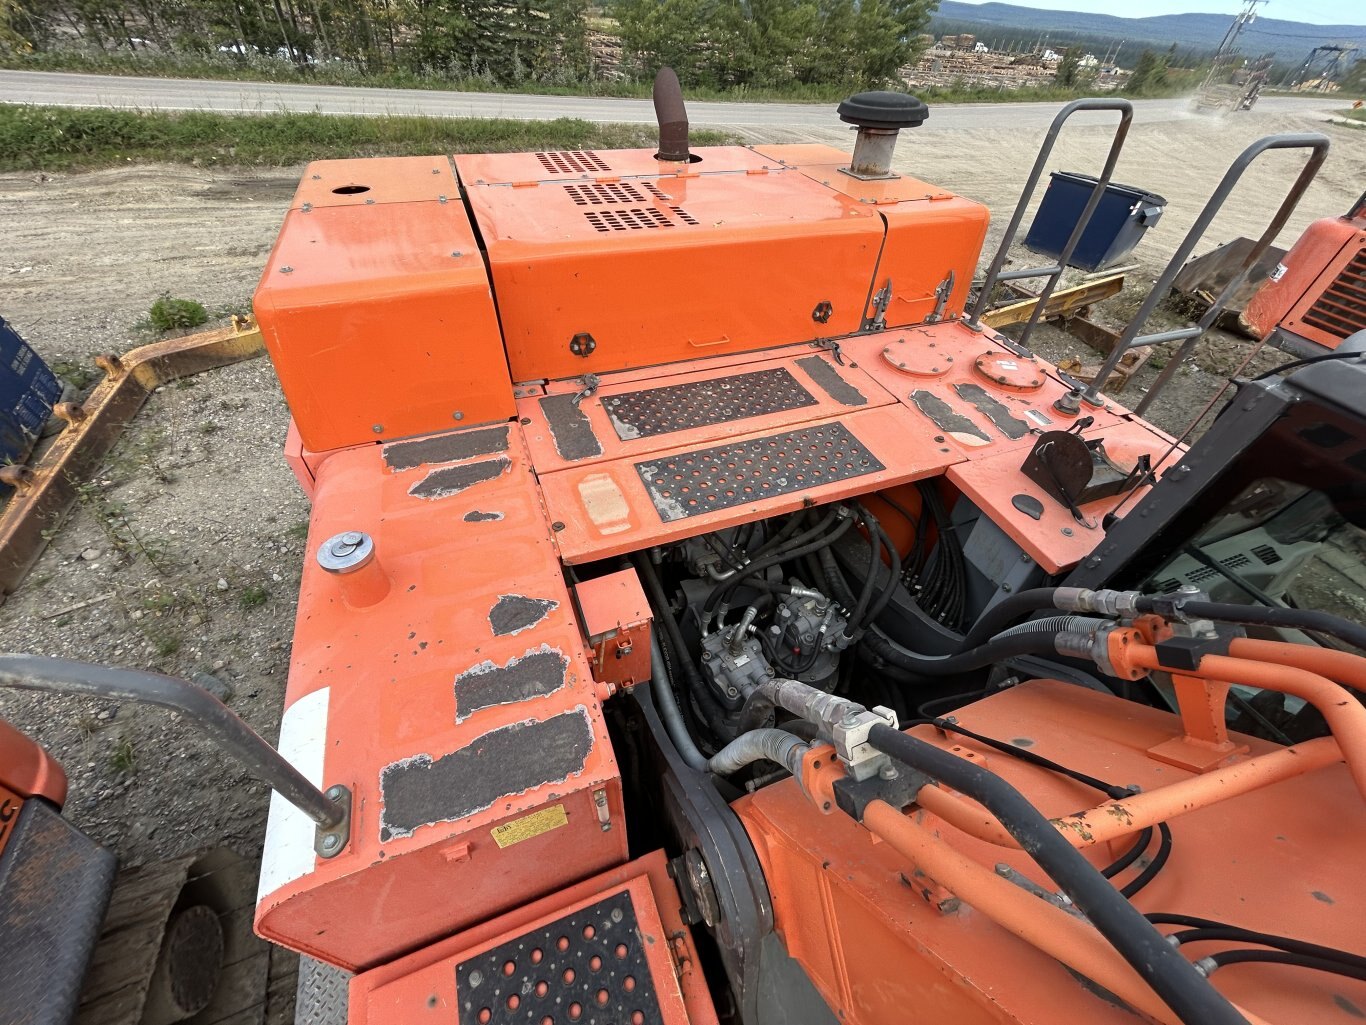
x: 777, y: 746
x: 1006, y: 612
x: 654, y: 592
x: 1200, y: 929
x: 1318, y: 964
x: 865, y: 597
x: 1173, y: 978
x: 893, y: 578
x: 669, y: 712
x: 998, y: 649
x: 759, y: 565
x: 1257, y: 615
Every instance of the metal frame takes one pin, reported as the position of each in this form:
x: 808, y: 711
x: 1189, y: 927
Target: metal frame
x: 1054, y: 271
x: 44, y: 492
x: 1130, y: 338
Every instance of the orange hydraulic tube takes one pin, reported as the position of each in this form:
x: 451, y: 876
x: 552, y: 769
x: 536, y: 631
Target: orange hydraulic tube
x: 1342, y: 666
x: 1115, y: 819
x: 1052, y: 930
x: 1343, y: 713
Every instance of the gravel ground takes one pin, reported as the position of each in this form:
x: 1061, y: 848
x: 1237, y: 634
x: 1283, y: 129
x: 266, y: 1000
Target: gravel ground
x: 189, y: 539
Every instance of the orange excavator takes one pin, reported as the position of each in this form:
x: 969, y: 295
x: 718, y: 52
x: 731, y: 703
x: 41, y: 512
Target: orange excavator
x: 707, y: 618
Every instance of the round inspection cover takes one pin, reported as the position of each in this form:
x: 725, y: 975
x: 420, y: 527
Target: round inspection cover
x: 1010, y: 371
x: 919, y: 359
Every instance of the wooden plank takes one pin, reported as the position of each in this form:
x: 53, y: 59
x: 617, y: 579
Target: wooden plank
x: 1059, y: 302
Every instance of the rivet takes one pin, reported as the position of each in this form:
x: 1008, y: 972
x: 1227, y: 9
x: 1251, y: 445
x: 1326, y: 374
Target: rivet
x: 1066, y: 531
x: 369, y: 202
x: 455, y: 252
x: 286, y: 270
x: 557, y: 526
x: 317, y: 177
x: 525, y: 421
x: 307, y: 207
x: 377, y: 428
x: 458, y: 415
x: 476, y: 978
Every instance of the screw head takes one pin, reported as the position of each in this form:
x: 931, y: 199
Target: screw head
x: 457, y: 415
x: 557, y: 526
x: 286, y: 270
x: 476, y: 978
x: 331, y: 841
x: 377, y: 428
x: 334, y: 792
x: 1066, y: 531
x: 888, y: 771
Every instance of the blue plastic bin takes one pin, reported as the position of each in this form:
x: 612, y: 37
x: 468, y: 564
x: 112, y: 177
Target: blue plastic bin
x: 1121, y: 218
x: 28, y: 390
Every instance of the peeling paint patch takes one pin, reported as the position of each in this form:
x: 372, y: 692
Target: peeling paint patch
x: 945, y: 418
x: 820, y: 371
x: 422, y: 790
x: 539, y: 672
x: 569, y: 428
x: 513, y: 613
x: 446, y: 448
x: 475, y: 516
x: 451, y: 480
x: 993, y: 409
x: 1320, y: 895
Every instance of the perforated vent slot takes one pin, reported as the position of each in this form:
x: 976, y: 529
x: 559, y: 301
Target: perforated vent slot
x: 657, y: 192
x: 632, y: 219
x: 571, y: 161
x: 1267, y: 554
x: 1341, y: 310
x: 604, y: 194
x: 683, y: 215
x: 1237, y: 561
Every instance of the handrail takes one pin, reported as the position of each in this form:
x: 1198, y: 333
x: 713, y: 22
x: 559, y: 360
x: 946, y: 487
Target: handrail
x: 1130, y: 337
x: 1054, y: 271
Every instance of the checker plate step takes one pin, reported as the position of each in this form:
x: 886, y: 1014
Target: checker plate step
x: 693, y: 483
x: 587, y: 968
x: 681, y: 407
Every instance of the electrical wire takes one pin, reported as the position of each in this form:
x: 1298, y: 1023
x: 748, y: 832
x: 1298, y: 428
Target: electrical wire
x: 1306, y: 361
x: 1318, y: 964
x: 1206, y: 929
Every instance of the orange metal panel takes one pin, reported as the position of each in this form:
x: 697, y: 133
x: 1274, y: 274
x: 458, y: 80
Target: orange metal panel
x: 373, y: 180
x: 616, y: 620
x: 1263, y: 861
x: 1056, y: 541
x: 10, y: 805
x: 928, y: 237
x: 604, y: 509
x: 602, y: 164
x: 27, y: 769
x: 802, y: 154
x: 1312, y: 264
x: 380, y: 323
x: 724, y: 263
x: 619, y: 443
x: 457, y: 707
x: 423, y: 984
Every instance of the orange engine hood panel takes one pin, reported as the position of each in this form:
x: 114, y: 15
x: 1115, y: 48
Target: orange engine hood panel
x: 379, y: 316
x: 670, y: 268
x: 446, y: 686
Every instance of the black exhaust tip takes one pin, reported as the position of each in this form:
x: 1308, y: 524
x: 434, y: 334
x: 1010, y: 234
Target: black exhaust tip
x: 672, y: 115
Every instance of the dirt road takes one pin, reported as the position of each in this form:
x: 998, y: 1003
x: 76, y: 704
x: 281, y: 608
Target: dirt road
x: 192, y: 534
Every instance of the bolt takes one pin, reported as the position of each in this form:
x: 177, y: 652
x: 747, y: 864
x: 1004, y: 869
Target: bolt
x: 455, y: 252
x: 286, y: 270
x: 476, y: 978
x: 307, y: 207
x: 557, y: 526
x: 334, y: 793
x: 331, y: 841
x: 1066, y: 531
x: 352, y: 538
x: 888, y: 771
x: 377, y: 428
x: 616, y: 914
x: 526, y: 421
x: 1006, y: 588
x: 457, y: 415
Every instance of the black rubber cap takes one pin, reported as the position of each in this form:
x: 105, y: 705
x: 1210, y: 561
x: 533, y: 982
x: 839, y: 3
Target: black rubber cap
x: 884, y: 110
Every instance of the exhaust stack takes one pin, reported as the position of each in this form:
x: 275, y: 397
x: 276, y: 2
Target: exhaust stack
x: 879, y: 118
x: 672, y: 115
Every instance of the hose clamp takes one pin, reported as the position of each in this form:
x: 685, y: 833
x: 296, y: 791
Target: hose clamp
x: 850, y: 737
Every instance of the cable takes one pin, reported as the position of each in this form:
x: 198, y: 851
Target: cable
x: 1171, y: 976
x: 998, y: 649
x: 1318, y: 964
x: 1306, y: 362
x: 1203, y: 929
x: 1007, y: 612
x: 893, y: 578
x: 1256, y: 615
x: 1130, y: 856
x: 1149, y: 873
x: 865, y: 597
x: 759, y: 565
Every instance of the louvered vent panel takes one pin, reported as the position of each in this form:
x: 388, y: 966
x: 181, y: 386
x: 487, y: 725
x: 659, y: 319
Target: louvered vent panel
x: 631, y: 219
x: 1341, y: 310
x: 604, y: 194
x: 574, y: 161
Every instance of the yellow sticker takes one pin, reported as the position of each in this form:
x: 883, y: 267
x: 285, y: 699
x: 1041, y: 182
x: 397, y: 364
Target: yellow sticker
x: 527, y: 826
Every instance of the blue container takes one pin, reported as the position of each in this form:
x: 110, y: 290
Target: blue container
x: 1122, y: 216
x: 27, y: 391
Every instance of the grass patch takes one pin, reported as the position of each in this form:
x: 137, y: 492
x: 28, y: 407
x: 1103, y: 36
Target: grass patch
x: 39, y: 138
x: 168, y: 314
x: 253, y: 597
x: 123, y: 759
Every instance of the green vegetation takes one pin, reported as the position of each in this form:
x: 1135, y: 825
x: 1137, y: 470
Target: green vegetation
x: 58, y: 138
x: 123, y: 759
x: 253, y: 596
x: 168, y: 314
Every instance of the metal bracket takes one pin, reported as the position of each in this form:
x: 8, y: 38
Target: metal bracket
x: 582, y: 344
x: 941, y: 299
x: 883, y: 299
x: 821, y: 314
x: 590, y: 386
x: 850, y: 737
x: 328, y: 842
x: 894, y: 784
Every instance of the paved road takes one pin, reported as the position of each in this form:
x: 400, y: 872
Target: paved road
x: 255, y: 97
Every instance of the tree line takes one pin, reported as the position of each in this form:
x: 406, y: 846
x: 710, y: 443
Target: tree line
x: 720, y: 43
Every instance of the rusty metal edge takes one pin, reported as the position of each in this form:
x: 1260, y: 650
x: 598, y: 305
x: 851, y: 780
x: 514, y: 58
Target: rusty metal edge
x: 44, y: 492
x: 1058, y: 303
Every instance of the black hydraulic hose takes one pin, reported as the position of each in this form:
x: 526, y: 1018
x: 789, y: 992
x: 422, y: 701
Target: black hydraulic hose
x: 1173, y: 978
x: 759, y: 565
x: 710, y: 705
x: 1203, y: 929
x: 996, y: 650
x: 669, y: 712
x: 1130, y: 856
x: 1318, y: 964
x: 1006, y: 613
x: 1257, y: 615
x: 782, y: 542
x: 834, y: 578
x: 865, y: 596
x: 1149, y: 873
x: 885, y: 596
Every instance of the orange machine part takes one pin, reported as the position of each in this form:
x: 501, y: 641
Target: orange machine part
x: 379, y: 319
x: 424, y: 983
x: 27, y: 770
x: 616, y: 621
x: 1262, y: 860
x: 458, y: 709
x: 1321, y: 293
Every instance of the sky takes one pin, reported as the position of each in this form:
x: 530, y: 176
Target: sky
x: 1318, y: 12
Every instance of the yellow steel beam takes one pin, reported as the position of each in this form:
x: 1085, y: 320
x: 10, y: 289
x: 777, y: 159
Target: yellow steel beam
x: 44, y: 492
x: 1064, y: 301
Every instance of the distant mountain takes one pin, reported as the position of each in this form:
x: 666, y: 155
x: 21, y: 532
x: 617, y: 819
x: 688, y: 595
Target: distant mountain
x: 1288, y: 39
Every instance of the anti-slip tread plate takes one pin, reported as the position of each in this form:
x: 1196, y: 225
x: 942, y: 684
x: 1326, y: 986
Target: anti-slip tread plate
x: 692, y: 483
x: 587, y: 968
x: 719, y: 400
